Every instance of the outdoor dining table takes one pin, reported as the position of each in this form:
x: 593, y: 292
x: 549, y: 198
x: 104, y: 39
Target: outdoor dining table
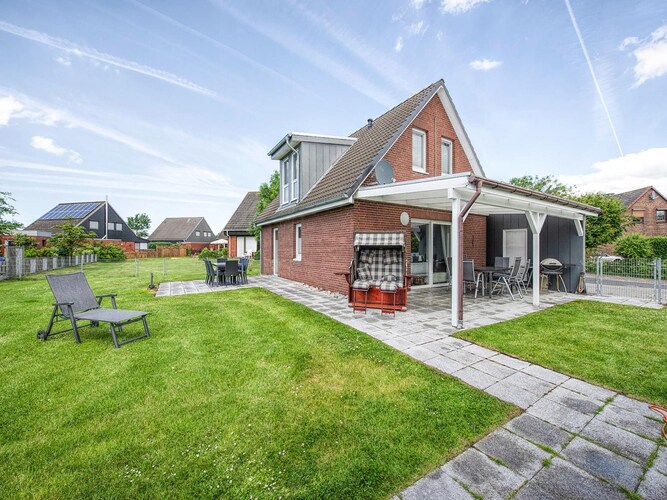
x: 488, y: 272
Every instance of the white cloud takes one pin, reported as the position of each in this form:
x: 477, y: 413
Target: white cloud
x: 64, y: 61
x: 651, y: 55
x: 631, y: 40
x: 417, y: 4
x: 439, y: 36
x: 459, y: 6
x: 94, y: 55
x: 416, y: 29
x: 8, y: 107
x: 399, y: 44
x: 47, y: 144
x: 624, y: 173
x: 485, y: 64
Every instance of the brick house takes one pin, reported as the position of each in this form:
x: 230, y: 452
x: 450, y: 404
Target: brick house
x: 96, y: 216
x: 411, y: 171
x: 649, y: 209
x: 240, y: 240
x: 191, y: 232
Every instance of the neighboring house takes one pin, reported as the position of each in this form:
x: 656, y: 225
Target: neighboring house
x: 414, y: 171
x: 96, y: 216
x: 649, y: 209
x: 241, y: 240
x: 191, y: 232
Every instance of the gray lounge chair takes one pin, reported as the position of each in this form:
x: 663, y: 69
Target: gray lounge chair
x: 75, y: 301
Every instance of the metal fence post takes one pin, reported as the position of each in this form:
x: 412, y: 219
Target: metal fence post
x: 136, y: 267
x: 658, y: 279
x: 598, y: 275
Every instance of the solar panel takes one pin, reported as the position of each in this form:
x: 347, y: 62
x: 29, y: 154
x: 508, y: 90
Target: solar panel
x: 73, y: 210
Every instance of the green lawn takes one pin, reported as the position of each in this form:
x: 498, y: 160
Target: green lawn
x: 620, y: 347
x: 236, y: 394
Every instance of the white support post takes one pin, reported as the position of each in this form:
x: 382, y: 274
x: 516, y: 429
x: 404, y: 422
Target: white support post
x: 536, y: 221
x: 456, y: 257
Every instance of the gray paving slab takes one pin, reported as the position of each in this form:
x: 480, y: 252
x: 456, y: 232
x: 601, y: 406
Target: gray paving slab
x: 539, y: 431
x: 522, y: 457
x: 660, y: 462
x: 482, y: 475
x: 634, y: 405
x: 480, y: 351
x: 545, y: 374
x: 512, y: 394
x: 475, y: 378
x: 398, y: 343
x: 463, y: 357
x: 530, y: 383
x: 590, y: 390
x: 495, y: 369
x: 437, y: 485
x: 653, y: 486
x: 619, y: 440
x: 439, y: 346
x: 444, y: 364
x: 562, y: 480
x: 574, y: 400
x: 420, y: 353
x: 503, y: 359
x: 631, y: 421
x: 603, y: 463
x: 559, y: 415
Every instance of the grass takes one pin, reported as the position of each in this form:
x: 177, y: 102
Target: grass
x: 620, y: 347
x: 236, y: 394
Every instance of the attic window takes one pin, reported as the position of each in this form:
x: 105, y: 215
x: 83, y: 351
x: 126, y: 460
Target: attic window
x: 446, y: 156
x: 660, y: 215
x: 418, y: 150
x: 638, y: 216
x: 285, y: 180
x: 295, y: 177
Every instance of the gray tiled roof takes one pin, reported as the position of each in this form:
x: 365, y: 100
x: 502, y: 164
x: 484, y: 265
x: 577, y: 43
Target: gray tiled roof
x: 244, y: 215
x: 628, y: 197
x: 349, y: 171
x: 175, y: 228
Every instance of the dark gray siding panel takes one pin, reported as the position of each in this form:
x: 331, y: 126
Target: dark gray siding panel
x: 201, y: 227
x: 315, y: 159
x: 558, y: 239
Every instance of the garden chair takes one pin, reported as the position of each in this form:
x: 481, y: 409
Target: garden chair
x: 243, y: 269
x: 469, y: 277
x: 75, y: 301
x: 231, y: 271
x: 508, y: 281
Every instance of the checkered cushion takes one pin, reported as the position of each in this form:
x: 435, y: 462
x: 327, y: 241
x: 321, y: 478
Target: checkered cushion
x: 364, y: 272
x: 361, y: 284
x: 366, y: 257
x: 391, y: 257
x: 390, y: 277
x: 389, y: 286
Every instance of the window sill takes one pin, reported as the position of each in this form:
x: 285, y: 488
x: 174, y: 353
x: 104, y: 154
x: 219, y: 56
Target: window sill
x: 296, y: 259
x: 416, y: 171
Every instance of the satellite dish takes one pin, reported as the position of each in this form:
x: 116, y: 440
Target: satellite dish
x: 384, y: 172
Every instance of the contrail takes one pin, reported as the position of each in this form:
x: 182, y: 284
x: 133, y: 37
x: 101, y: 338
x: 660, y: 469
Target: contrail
x: 595, y: 79
x: 73, y: 48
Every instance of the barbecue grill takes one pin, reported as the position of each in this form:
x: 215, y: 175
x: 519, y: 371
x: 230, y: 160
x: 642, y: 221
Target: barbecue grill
x: 553, y: 267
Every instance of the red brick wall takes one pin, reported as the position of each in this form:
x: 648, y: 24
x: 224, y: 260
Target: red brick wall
x: 327, y: 240
x: 434, y: 121
x: 650, y: 227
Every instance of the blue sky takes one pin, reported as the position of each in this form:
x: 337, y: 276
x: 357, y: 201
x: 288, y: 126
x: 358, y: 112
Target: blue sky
x: 169, y: 108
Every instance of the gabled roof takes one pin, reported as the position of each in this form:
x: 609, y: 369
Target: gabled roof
x: 244, y: 215
x: 628, y: 198
x: 175, y: 228
x: 345, y: 176
x: 64, y: 212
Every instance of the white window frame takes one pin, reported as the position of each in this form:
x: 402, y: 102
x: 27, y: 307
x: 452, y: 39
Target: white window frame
x: 111, y: 226
x: 197, y: 233
x: 525, y: 244
x: 285, y: 180
x: 664, y: 215
x: 295, y: 177
x: 119, y: 226
x: 93, y: 224
x: 298, y: 242
x: 450, y: 156
x: 422, y: 134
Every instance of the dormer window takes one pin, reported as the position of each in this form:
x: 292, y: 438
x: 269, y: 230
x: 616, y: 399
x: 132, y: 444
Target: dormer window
x: 285, y: 176
x: 295, y: 177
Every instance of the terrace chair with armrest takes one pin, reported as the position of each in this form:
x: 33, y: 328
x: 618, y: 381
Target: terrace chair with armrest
x: 469, y: 277
x: 75, y: 301
x: 231, y: 271
x: 243, y: 269
x: 508, y: 281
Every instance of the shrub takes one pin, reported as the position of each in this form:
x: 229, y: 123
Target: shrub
x: 31, y: 252
x: 634, y: 246
x: 225, y: 252
x: 207, y: 253
x: 659, y: 244
x: 109, y: 252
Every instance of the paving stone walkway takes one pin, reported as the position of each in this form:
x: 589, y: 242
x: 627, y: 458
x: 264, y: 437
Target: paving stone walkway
x: 574, y: 440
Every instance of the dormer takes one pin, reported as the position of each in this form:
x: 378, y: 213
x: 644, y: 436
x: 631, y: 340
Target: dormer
x: 304, y: 158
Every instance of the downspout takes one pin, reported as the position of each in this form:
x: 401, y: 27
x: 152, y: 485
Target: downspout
x: 462, y: 215
x: 296, y: 162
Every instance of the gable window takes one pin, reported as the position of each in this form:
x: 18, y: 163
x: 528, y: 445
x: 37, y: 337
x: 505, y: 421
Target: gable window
x: 119, y: 227
x: 297, y: 242
x: 638, y: 216
x: 197, y: 233
x: 93, y: 224
x: 446, y: 156
x: 110, y: 226
x: 285, y: 180
x: 660, y: 215
x: 418, y: 150
x: 295, y: 176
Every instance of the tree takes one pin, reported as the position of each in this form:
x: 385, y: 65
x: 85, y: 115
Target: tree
x: 267, y: 193
x: 547, y: 184
x: 609, y: 224
x: 70, y: 238
x: 6, y: 210
x: 140, y: 224
x: 22, y: 240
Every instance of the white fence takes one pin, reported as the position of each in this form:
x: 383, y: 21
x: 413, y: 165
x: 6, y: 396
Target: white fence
x: 16, y: 265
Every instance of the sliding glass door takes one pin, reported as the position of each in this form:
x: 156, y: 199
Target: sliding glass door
x: 430, y: 251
